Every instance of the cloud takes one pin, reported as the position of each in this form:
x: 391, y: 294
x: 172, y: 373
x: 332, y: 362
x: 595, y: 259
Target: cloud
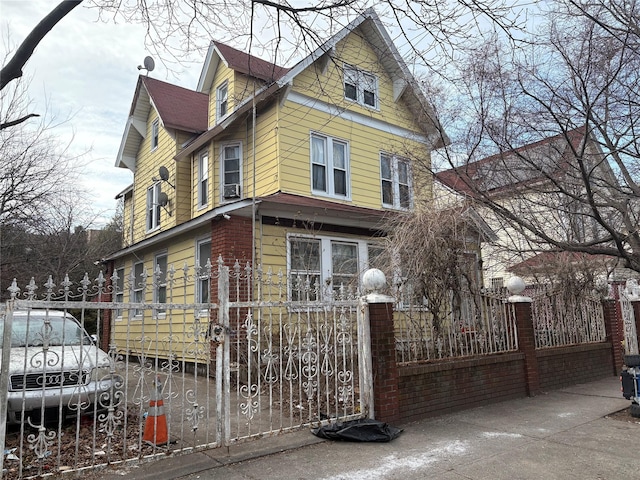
x: 85, y: 70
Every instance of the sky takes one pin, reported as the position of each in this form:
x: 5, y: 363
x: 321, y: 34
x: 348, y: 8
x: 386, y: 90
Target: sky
x: 86, y: 71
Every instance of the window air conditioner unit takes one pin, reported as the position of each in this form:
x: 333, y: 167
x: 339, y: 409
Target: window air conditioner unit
x: 232, y: 191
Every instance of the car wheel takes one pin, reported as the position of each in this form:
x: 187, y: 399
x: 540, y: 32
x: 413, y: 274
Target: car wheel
x: 632, y: 360
x: 634, y: 410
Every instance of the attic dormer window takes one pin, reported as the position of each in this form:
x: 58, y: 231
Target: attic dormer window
x: 222, y: 100
x: 360, y: 86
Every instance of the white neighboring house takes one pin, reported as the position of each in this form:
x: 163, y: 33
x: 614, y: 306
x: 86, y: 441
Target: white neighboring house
x: 541, y: 182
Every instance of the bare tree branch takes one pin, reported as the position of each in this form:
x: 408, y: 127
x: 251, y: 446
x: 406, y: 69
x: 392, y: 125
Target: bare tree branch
x: 17, y: 121
x: 13, y: 68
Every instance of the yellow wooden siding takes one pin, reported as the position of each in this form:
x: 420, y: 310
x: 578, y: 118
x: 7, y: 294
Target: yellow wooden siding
x: 222, y: 74
x: 183, y: 205
x: 365, y: 140
x: 127, y: 226
x: 328, y: 85
x: 365, y: 145
x: 195, y: 186
x: 244, y: 87
x: 267, y: 168
x: 239, y: 87
x: 147, y: 164
x: 163, y: 337
x: 180, y: 253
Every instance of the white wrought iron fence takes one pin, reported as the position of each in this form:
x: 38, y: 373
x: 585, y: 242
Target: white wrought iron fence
x: 250, y: 364
x: 626, y: 294
x: 292, y: 363
x: 469, y: 324
x: 563, y: 318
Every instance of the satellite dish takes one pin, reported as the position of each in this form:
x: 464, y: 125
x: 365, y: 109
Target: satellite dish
x: 163, y: 199
x: 164, y: 173
x: 149, y: 64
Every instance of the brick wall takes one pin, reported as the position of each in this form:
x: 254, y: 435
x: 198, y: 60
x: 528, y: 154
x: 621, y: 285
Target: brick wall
x: 436, y: 388
x: 431, y: 389
x: 562, y: 366
x: 231, y: 239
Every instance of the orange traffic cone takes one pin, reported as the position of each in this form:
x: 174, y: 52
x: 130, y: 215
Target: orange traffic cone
x: 155, y: 425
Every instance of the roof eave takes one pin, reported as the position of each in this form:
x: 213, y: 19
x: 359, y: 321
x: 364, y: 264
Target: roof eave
x: 213, y: 132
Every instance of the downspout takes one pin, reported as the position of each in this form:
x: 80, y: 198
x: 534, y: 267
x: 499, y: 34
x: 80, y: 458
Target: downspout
x: 131, y: 218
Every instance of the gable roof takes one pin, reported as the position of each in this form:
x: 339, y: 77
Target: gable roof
x: 550, y: 261
x: 178, y: 108
x: 278, y: 78
x: 238, y: 61
x: 550, y: 157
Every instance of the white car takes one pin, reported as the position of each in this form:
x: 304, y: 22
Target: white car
x: 55, y: 367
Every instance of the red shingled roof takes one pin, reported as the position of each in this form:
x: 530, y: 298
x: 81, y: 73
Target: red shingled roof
x: 178, y: 107
x: 248, y: 64
x: 548, y: 261
x: 524, y: 165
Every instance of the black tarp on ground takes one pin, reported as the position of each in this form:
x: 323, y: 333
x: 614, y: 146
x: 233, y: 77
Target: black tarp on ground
x: 362, y: 430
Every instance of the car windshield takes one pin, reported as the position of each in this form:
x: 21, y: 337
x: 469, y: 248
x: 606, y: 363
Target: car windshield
x: 33, y: 330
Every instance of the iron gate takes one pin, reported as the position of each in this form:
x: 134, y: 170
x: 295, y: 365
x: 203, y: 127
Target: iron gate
x: 178, y: 376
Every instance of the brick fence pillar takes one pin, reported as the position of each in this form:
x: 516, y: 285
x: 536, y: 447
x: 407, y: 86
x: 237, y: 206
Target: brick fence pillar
x: 383, y: 363
x: 386, y: 399
x: 526, y: 334
x: 614, y: 329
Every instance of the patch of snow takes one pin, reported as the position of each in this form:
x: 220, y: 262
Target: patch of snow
x: 501, y: 434
x: 566, y: 415
x: 392, y: 465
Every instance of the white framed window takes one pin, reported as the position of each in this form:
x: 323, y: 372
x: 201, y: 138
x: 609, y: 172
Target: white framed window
x: 395, y: 182
x: 118, y: 291
x: 222, y: 100
x: 155, y: 128
x: 203, y: 283
x: 344, y: 265
x: 318, y: 266
x: 231, y: 170
x: 360, y: 86
x: 304, y: 268
x: 203, y: 179
x: 153, y: 207
x: 375, y: 254
x: 329, y: 166
x: 160, y: 281
x: 138, y: 286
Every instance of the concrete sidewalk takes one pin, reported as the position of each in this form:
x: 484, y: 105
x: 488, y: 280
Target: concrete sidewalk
x: 564, y: 434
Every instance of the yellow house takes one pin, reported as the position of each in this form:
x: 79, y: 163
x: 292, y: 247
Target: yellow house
x: 291, y: 169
